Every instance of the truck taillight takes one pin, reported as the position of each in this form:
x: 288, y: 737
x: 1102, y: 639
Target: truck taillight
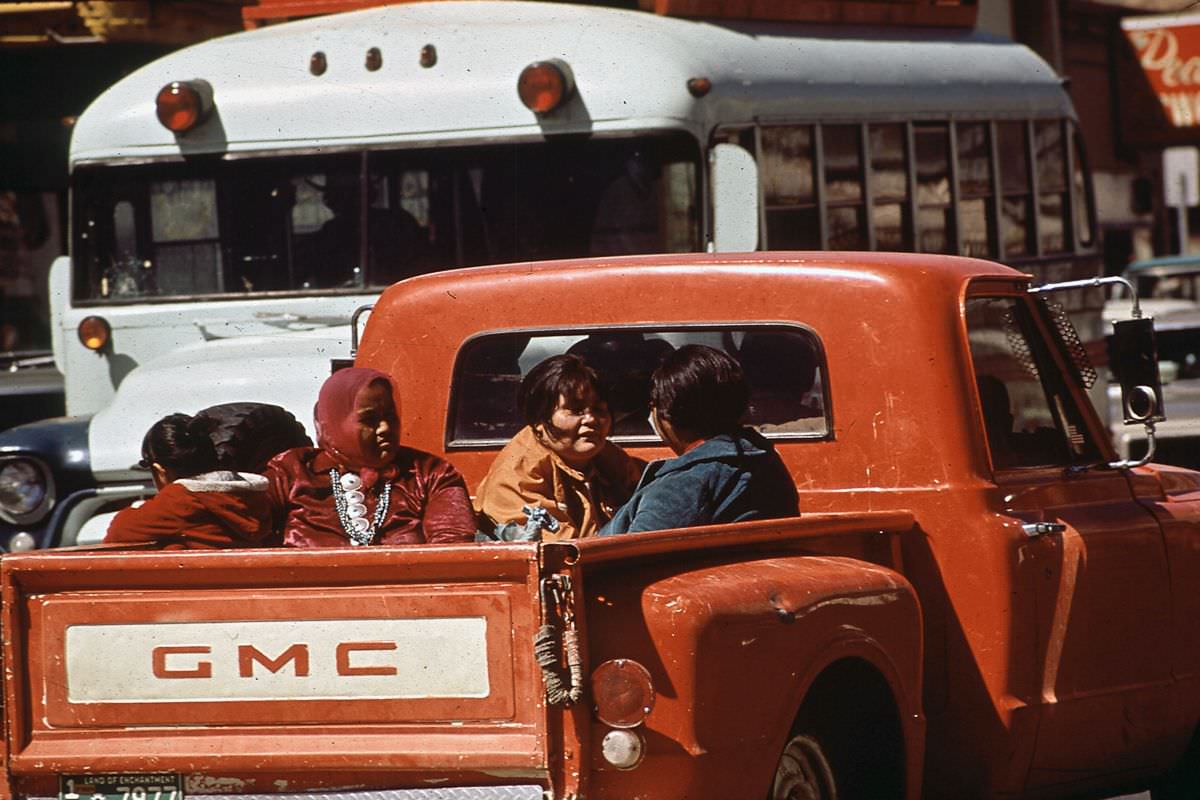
x: 545, y: 85
x: 623, y: 696
x: 622, y: 692
x: 182, y: 105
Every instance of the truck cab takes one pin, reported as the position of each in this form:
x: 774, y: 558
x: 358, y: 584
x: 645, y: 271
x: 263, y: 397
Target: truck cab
x: 978, y: 599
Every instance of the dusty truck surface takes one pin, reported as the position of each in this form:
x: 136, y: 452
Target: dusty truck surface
x: 979, y: 598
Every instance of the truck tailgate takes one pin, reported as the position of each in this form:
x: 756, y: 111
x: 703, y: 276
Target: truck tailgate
x: 399, y: 666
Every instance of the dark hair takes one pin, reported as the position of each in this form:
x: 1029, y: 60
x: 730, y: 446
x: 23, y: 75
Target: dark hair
x: 701, y: 390
x: 180, y: 443
x: 566, y: 375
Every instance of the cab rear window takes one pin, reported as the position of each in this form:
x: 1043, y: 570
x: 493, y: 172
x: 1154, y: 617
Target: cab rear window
x: 784, y: 365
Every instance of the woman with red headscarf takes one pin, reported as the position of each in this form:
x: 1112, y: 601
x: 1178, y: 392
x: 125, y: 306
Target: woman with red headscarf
x: 360, y: 486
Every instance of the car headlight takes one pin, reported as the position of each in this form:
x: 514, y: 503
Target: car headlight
x: 24, y: 489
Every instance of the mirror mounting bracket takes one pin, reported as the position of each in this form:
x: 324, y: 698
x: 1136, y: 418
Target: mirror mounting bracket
x: 1088, y: 283
x: 1136, y: 311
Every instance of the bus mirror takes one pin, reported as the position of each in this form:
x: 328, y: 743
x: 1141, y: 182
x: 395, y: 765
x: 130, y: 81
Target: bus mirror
x: 1133, y: 357
x: 734, y: 177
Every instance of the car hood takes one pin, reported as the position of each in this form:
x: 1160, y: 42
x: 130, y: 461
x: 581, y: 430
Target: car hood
x: 286, y: 370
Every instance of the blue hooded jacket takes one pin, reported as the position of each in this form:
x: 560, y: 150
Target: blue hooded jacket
x: 728, y: 478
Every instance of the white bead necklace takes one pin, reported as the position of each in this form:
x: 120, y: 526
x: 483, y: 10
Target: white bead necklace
x: 350, y: 502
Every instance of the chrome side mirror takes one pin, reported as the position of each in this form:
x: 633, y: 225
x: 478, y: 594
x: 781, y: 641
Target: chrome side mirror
x: 1133, y: 358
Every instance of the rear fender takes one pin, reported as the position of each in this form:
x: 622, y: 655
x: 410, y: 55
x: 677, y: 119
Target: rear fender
x: 733, y: 648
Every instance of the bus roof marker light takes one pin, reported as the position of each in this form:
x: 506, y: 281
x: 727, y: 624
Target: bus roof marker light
x: 182, y: 105
x: 428, y: 56
x: 374, y: 59
x: 317, y: 64
x: 94, y: 333
x: 698, y: 87
x: 545, y: 85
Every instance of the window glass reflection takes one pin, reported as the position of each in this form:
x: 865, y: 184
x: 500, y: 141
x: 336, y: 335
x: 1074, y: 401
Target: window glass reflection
x: 787, y: 165
x: 935, y: 218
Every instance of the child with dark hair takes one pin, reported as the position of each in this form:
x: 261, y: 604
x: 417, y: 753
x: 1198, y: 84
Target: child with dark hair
x: 560, y: 467
x: 198, y: 505
x: 723, y: 472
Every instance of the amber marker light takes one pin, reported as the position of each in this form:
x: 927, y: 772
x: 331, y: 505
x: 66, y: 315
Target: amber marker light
x: 622, y: 692
x: 698, y: 87
x: 94, y: 333
x: 545, y: 85
x: 182, y: 105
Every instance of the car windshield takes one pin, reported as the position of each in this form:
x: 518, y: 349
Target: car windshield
x: 348, y: 222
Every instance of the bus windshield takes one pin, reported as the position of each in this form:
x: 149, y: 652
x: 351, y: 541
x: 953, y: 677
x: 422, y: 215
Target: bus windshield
x: 226, y: 227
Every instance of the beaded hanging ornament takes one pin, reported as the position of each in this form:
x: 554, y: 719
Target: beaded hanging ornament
x: 350, y: 502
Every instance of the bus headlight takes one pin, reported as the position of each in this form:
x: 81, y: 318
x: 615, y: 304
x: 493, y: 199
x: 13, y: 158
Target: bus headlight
x: 24, y: 490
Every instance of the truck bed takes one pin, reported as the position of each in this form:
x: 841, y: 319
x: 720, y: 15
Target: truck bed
x: 289, y: 669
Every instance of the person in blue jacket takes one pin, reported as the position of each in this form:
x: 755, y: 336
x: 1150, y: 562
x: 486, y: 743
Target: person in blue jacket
x: 723, y: 471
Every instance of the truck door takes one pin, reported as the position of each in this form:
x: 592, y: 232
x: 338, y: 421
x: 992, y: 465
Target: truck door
x: 1091, y: 558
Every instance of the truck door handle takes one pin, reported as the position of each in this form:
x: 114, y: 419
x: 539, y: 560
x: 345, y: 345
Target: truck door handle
x: 1036, y: 529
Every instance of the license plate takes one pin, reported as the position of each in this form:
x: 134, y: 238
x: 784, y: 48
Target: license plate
x: 121, y: 786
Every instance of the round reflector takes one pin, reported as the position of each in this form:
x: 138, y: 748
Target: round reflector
x: 623, y: 749
x: 180, y: 106
x: 94, y: 332
x: 544, y: 86
x: 623, y: 693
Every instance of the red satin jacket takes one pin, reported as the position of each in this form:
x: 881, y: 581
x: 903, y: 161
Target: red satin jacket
x: 429, y: 501
x: 211, y: 511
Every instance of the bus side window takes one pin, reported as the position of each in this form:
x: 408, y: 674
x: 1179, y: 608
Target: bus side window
x: 844, y: 196
x: 976, y: 190
x: 1081, y: 197
x: 890, y: 211
x: 1016, y: 203
x: 935, y: 212
x: 1051, y: 185
x: 788, y: 167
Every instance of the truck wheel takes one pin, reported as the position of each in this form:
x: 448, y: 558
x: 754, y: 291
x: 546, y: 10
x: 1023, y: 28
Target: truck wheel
x: 803, y: 772
x: 1182, y: 782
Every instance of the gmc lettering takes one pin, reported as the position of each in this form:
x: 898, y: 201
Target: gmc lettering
x: 167, y: 661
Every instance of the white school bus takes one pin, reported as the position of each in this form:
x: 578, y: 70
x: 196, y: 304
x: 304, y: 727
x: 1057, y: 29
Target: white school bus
x: 234, y: 202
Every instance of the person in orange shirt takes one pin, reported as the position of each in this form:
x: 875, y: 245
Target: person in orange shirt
x: 560, y: 468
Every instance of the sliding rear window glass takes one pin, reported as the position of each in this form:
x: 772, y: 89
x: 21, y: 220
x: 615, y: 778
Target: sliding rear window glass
x: 783, y: 364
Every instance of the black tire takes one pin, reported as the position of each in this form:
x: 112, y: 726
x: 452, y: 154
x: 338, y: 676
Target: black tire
x: 1182, y: 782
x: 804, y: 772
x: 248, y: 435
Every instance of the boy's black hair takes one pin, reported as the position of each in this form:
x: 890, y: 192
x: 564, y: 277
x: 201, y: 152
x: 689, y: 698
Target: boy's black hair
x: 180, y: 443
x: 566, y: 375
x: 701, y: 390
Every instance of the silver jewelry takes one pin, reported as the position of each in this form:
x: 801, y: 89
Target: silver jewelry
x: 350, y: 502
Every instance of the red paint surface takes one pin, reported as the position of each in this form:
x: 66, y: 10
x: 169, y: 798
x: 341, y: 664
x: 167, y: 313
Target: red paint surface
x: 1058, y: 663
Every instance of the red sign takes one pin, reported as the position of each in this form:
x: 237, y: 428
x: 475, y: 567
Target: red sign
x: 1168, y: 48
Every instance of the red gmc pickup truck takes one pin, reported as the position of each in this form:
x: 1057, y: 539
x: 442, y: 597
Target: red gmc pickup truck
x: 978, y: 599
